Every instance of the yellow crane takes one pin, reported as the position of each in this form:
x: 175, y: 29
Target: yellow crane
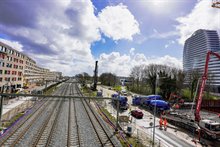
x: 216, y: 3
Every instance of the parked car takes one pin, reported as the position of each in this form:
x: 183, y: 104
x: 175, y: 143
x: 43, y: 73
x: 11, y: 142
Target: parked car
x: 137, y: 114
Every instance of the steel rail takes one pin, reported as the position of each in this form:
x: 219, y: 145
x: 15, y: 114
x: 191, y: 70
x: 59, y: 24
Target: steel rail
x: 97, y: 120
x: 55, y: 123
x: 24, y: 121
x: 75, y: 116
x: 20, y: 135
x: 43, y: 128
x: 38, y: 137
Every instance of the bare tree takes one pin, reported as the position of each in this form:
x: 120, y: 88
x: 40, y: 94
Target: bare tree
x: 137, y: 75
x: 108, y: 79
x: 194, y: 76
x: 209, y: 84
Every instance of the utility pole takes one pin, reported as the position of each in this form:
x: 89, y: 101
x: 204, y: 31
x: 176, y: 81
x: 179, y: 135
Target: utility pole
x: 117, y: 124
x: 1, y: 105
x: 95, y: 76
x: 155, y: 110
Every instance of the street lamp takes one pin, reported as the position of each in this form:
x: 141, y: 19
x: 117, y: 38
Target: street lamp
x: 155, y: 108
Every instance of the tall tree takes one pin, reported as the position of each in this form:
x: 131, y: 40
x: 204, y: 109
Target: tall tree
x: 137, y: 75
x: 108, y: 79
x: 194, y: 78
x: 83, y: 78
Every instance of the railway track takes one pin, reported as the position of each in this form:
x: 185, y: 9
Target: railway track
x: 19, y: 126
x: 102, y: 135
x: 18, y: 131
x: 48, y: 129
x: 73, y: 128
x: 60, y: 122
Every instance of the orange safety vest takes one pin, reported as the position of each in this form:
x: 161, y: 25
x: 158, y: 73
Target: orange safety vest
x: 165, y: 122
x: 161, y: 121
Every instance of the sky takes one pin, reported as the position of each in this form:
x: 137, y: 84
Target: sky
x: 70, y: 35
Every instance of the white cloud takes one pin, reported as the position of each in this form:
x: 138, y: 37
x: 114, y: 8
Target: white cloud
x: 203, y: 16
x: 117, y: 22
x: 163, y: 35
x: 122, y: 64
x: 14, y: 44
x: 132, y: 51
x: 63, y: 32
x: 170, y: 42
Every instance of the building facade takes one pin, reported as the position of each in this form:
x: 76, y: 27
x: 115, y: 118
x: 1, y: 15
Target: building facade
x: 11, y: 67
x: 18, y: 70
x: 194, y: 56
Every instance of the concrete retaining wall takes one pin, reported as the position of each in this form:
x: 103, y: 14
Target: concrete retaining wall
x: 20, y: 108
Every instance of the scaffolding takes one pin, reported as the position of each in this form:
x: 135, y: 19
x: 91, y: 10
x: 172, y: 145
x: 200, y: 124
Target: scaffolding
x: 216, y: 3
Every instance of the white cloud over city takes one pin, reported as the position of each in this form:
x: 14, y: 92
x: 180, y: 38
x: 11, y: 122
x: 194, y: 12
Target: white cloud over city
x: 59, y: 34
x: 203, y: 16
x: 121, y: 64
x: 62, y: 35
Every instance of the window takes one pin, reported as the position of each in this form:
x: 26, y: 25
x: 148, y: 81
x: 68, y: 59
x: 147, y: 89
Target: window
x: 15, y: 66
x: 0, y: 79
x: 7, y: 72
x: 2, y: 56
x: 8, y: 65
x: 14, y: 72
x: 15, y: 60
x: 0, y: 71
x: 7, y: 79
x: 2, y: 64
x: 20, y: 67
x: 207, y: 126
x: 19, y: 73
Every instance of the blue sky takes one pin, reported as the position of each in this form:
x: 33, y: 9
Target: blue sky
x: 69, y: 35
x: 149, y: 20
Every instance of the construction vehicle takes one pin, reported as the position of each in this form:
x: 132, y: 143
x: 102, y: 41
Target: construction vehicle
x: 208, y: 128
x: 175, y: 101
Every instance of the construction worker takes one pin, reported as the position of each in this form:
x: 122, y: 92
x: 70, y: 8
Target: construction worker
x: 161, y: 122
x: 165, y: 124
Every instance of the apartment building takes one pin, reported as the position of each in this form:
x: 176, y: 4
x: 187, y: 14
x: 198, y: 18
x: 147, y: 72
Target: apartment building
x: 18, y: 70
x: 11, y: 67
x: 194, y: 56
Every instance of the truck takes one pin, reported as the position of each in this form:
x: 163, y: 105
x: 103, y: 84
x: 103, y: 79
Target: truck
x: 123, y: 101
x: 208, y: 127
x: 160, y: 105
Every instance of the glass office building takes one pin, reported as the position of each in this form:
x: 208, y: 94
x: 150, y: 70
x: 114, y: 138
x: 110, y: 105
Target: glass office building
x: 194, y: 55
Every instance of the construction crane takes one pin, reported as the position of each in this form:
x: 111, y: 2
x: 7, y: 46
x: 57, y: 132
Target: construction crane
x: 204, y: 78
x: 207, y: 128
x: 216, y: 3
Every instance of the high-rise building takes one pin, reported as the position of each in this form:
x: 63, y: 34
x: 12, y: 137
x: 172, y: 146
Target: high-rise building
x: 194, y: 55
x: 18, y: 70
